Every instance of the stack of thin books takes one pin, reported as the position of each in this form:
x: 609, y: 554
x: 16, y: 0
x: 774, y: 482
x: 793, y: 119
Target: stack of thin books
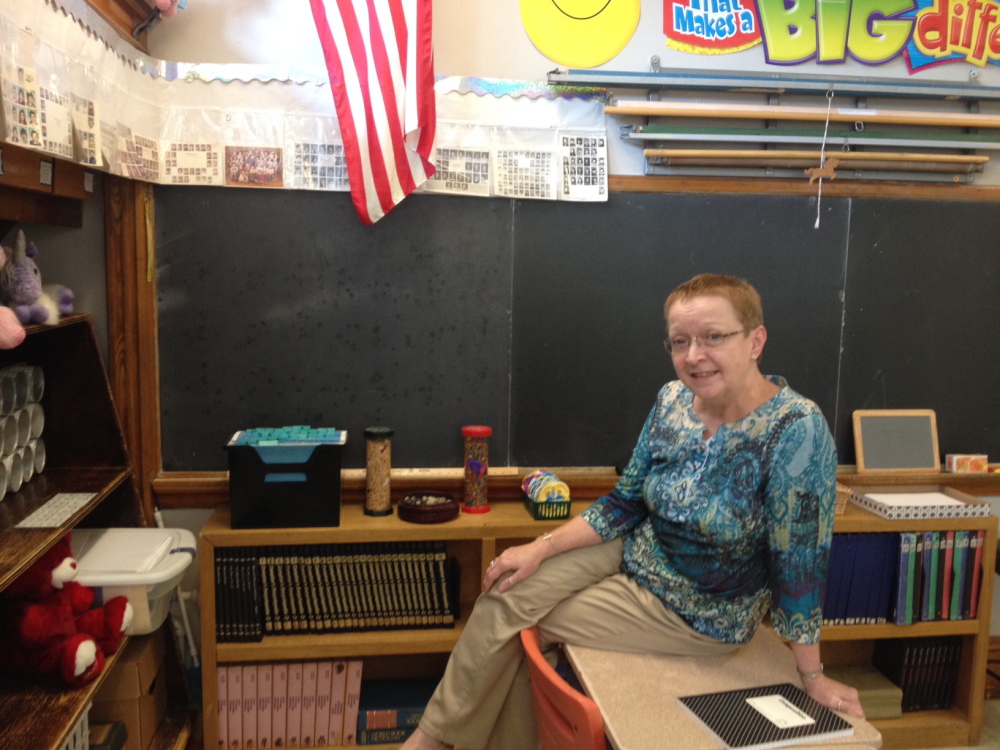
x: 880, y: 697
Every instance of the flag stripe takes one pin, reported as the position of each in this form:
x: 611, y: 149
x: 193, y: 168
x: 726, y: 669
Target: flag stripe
x: 379, y: 54
x: 344, y: 87
x: 370, y: 147
x: 390, y: 76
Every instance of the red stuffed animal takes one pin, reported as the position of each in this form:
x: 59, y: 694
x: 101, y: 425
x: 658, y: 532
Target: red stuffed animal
x: 49, y: 627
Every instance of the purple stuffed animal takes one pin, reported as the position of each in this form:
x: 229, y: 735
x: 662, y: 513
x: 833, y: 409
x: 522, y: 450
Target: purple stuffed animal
x: 21, y: 287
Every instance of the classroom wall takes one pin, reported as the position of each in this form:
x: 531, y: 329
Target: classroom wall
x: 471, y: 37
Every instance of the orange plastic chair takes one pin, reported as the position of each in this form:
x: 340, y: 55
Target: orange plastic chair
x: 567, y: 719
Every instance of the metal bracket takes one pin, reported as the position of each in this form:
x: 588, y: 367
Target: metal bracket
x: 147, y: 23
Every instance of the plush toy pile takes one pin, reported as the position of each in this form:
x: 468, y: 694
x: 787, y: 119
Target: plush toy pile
x: 50, y: 630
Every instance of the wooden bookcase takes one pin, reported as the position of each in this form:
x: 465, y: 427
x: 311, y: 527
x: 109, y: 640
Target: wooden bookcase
x: 472, y: 539
x: 847, y: 644
x: 85, y: 452
x: 476, y: 539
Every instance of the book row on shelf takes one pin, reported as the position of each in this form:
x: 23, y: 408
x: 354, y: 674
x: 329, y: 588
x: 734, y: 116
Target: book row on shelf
x: 314, y: 704
x: 333, y: 588
x: 903, y: 577
x: 926, y: 669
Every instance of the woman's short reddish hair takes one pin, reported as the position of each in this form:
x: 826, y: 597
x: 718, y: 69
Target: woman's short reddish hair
x: 740, y: 293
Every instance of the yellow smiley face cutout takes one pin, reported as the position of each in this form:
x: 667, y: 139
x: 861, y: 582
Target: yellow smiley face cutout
x: 580, y: 33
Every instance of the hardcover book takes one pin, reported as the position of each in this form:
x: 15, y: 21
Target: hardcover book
x: 880, y: 697
x: 265, y: 674
x: 279, y: 704
x: 338, y: 689
x: 324, y: 679
x: 352, y: 695
x: 235, y: 693
x: 765, y: 717
x: 249, y: 706
x: 394, y: 703
x: 308, y: 717
x: 222, y: 674
x: 293, y: 726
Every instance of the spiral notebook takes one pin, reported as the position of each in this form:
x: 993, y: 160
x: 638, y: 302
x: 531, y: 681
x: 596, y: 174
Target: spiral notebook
x: 765, y: 717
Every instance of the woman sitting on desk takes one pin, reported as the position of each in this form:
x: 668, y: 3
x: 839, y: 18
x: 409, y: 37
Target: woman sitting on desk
x: 725, y: 509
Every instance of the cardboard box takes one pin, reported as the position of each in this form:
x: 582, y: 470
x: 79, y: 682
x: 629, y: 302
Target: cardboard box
x: 135, y: 692
x: 962, y: 463
x: 285, y: 482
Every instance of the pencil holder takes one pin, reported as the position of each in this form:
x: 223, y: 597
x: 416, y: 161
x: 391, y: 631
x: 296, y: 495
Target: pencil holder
x: 546, y: 497
x: 477, y: 464
x: 378, y: 448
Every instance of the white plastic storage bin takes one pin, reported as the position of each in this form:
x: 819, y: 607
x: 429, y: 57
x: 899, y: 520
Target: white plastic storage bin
x: 144, y: 565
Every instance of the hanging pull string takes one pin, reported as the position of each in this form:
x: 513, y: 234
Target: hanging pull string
x: 822, y: 154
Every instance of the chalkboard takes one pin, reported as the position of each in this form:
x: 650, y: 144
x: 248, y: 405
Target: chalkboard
x: 545, y: 320
x: 896, y: 440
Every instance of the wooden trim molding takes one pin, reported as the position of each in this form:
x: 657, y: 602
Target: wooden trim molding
x: 132, y: 329
x: 204, y: 489
x: 208, y: 489
x: 835, y: 188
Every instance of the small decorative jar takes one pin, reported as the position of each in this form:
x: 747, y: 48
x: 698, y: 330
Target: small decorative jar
x: 477, y: 464
x: 377, y: 472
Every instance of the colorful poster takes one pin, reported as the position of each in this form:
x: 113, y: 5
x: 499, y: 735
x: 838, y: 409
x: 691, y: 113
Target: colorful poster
x: 710, y: 27
x: 924, y: 32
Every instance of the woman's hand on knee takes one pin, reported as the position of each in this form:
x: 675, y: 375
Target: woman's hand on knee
x: 513, y: 565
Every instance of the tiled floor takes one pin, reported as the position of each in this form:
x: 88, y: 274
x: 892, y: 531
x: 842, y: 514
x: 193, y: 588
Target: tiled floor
x: 990, y: 737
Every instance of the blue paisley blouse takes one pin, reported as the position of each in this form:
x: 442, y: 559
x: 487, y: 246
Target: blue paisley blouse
x: 721, y: 529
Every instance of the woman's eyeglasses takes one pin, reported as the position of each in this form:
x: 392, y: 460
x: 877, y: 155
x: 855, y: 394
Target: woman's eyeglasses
x: 680, y: 344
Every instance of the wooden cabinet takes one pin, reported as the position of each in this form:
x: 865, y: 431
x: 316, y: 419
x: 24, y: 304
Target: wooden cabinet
x: 846, y: 644
x: 85, y: 453
x: 475, y: 540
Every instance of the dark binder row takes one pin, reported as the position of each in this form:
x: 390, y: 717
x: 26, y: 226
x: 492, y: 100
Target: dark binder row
x: 925, y: 668
x: 903, y: 577
x: 333, y: 588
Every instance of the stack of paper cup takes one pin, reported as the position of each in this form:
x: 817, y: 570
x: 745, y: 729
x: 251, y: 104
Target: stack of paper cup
x: 22, y: 420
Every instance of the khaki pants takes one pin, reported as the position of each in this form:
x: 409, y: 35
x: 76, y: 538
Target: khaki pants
x: 579, y: 597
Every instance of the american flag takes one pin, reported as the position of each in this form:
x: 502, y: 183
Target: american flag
x: 381, y: 64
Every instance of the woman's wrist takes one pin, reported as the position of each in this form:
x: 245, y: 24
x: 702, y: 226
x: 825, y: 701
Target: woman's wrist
x: 550, y: 544
x: 811, y: 674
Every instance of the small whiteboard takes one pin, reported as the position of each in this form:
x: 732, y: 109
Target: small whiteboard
x: 896, y: 440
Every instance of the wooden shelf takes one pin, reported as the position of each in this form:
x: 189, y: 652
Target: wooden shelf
x: 855, y: 518
x: 505, y: 520
x: 19, y: 547
x: 85, y: 452
x: 37, y: 716
x: 174, y: 731
x: 342, y: 645
x: 926, y: 729
x: 891, y: 630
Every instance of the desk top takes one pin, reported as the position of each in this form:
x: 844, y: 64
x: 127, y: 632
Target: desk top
x: 637, y: 692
